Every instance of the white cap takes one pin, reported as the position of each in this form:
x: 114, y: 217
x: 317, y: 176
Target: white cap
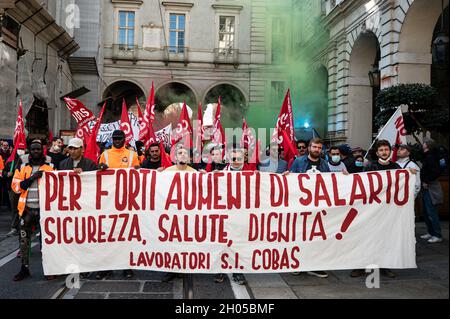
x: 75, y: 142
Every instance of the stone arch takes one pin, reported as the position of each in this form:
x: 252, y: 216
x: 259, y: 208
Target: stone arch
x: 415, y: 39
x: 114, y: 94
x: 364, y: 57
x: 173, y: 92
x: 234, y: 102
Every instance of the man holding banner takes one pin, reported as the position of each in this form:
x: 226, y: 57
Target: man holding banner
x: 25, y: 182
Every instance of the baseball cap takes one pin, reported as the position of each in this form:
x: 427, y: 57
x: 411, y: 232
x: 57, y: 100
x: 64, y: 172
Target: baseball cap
x: 75, y: 142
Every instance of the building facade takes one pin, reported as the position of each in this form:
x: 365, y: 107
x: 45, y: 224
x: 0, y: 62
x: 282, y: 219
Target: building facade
x: 35, y: 43
x: 193, y: 50
x: 392, y: 40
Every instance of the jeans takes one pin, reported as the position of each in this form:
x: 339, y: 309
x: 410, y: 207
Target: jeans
x: 431, y: 215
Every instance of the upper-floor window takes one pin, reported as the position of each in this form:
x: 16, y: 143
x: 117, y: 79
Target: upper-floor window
x: 226, y: 33
x: 126, y: 29
x: 177, y: 33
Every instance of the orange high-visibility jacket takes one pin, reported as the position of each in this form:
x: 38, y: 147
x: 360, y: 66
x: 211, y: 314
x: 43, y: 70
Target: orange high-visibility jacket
x: 22, y: 174
x: 2, y: 165
x: 119, y: 158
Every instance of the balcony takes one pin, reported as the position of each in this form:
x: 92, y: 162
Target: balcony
x: 226, y: 56
x: 176, y: 54
x: 125, y: 52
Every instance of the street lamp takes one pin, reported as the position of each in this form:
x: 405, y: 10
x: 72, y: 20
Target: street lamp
x: 374, y: 76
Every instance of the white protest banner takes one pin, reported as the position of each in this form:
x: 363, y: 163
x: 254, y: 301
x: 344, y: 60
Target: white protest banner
x: 164, y: 135
x: 225, y: 222
x: 106, y: 129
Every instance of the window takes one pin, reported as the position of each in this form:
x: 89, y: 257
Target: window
x: 226, y: 34
x: 278, y: 40
x: 177, y: 33
x: 126, y: 30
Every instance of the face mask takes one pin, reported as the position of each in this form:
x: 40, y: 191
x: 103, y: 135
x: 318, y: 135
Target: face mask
x: 359, y: 164
x: 335, y: 158
x: 20, y: 152
x: 56, y: 148
x: 382, y: 161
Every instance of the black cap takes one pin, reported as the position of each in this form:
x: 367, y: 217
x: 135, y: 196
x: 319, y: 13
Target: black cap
x: 118, y: 134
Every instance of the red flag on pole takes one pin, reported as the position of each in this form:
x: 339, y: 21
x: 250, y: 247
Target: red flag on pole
x: 285, y: 121
x: 289, y: 150
x: 165, y: 158
x: 247, y: 139
x: 183, y: 128
x: 19, y: 139
x: 92, y: 150
x: 140, y: 118
x: 125, y: 124
x: 80, y: 112
x: 147, y: 119
x: 219, y: 134
x: 199, y: 134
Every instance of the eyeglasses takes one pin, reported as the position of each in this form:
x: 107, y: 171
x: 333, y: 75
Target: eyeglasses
x: 236, y: 159
x: 301, y: 147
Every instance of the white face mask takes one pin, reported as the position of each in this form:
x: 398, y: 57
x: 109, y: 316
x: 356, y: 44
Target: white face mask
x: 335, y: 158
x: 20, y: 152
x: 56, y: 148
x: 382, y: 161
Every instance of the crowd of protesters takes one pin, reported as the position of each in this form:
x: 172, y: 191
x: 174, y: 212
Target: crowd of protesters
x: 19, y: 177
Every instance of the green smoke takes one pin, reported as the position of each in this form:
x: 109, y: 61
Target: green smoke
x: 293, y: 29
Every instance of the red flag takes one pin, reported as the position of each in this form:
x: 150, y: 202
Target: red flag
x: 19, y: 139
x: 140, y: 118
x: 50, y: 135
x: 247, y: 139
x: 254, y: 160
x: 147, y: 119
x: 219, y: 134
x: 285, y: 121
x: 209, y: 165
x: 199, y: 134
x: 83, y: 133
x: 165, y: 159
x: 92, y: 150
x: 125, y: 124
x: 289, y: 150
x: 183, y: 128
x: 80, y: 112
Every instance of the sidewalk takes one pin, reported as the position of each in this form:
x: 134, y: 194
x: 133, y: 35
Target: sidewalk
x: 428, y: 281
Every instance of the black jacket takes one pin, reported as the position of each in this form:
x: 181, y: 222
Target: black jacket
x: 430, y: 170
x: 85, y: 164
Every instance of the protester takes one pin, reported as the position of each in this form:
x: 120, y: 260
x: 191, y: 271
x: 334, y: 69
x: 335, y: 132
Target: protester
x: 76, y: 161
x: 8, y: 173
x: 311, y: 163
x: 140, y: 149
x: 25, y: 182
x: 215, y: 159
x: 55, y: 151
x: 347, y: 157
x: 432, y: 194
x: 5, y: 150
x: 334, y: 161
x: 302, y: 147
x: 154, y: 157
x: 274, y: 164
x: 118, y: 157
x: 404, y: 161
x: 383, y: 151
x: 359, y: 164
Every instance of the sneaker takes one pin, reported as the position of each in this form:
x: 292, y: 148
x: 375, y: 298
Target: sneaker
x: 19, y: 254
x: 169, y: 277
x: 13, y: 232
x: 128, y: 273
x: 426, y: 236
x: 219, y: 278
x: 23, y: 273
x: 102, y: 274
x: 239, y: 279
x: 435, y: 239
x: 320, y: 274
x: 357, y: 273
x: 388, y: 273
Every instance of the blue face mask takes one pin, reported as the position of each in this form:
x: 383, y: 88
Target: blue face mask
x: 358, y: 164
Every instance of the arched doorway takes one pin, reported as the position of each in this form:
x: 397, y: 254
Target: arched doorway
x: 233, y: 107
x: 363, y: 86
x: 174, y: 92
x: 114, y: 95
